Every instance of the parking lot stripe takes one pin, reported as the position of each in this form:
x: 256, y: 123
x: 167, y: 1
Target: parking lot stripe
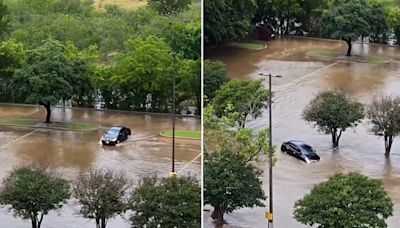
x: 194, y: 159
x: 24, y: 136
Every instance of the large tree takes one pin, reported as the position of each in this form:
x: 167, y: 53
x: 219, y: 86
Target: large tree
x: 345, y: 200
x: 145, y: 73
x: 347, y: 20
x: 166, y: 202
x: 48, y: 76
x: 384, y: 115
x: 227, y: 20
x: 33, y: 192
x: 333, y: 112
x: 246, y: 97
x: 215, y: 76
x: 230, y: 183
x: 102, y: 195
x: 5, y: 20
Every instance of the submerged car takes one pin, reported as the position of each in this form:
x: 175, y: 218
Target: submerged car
x: 115, y: 135
x: 300, y: 150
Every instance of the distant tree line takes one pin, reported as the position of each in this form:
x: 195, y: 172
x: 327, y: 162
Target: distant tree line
x: 59, y: 50
x: 375, y: 20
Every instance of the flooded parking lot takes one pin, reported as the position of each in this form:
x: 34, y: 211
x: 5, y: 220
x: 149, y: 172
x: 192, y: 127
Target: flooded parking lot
x: 304, y: 77
x: 143, y: 154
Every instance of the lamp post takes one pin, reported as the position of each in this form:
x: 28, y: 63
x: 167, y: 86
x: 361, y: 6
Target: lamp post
x: 173, y: 173
x: 270, y: 216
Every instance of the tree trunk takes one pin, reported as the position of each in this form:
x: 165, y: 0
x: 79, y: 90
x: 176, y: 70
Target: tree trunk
x: 34, y: 222
x: 97, y: 223
x: 103, y: 223
x: 348, y: 41
x: 218, y: 215
x: 335, y: 137
x: 48, y: 110
x: 388, y: 144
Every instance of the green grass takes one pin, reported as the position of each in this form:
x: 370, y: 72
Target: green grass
x: 319, y: 53
x: 378, y: 59
x: 248, y: 46
x: 183, y: 134
x: 54, y: 125
x: 22, y: 122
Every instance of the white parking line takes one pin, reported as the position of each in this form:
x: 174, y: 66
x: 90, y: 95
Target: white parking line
x: 184, y: 167
x: 295, y: 82
x: 24, y: 136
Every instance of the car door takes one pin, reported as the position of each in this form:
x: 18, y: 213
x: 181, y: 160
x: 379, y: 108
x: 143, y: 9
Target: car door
x: 296, y: 151
x: 124, y: 133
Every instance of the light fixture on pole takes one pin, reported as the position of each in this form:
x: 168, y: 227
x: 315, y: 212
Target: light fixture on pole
x: 270, y: 215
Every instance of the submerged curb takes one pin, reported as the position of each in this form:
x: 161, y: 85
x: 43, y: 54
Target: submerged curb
x: 178, y: 137
x: 315, y: 55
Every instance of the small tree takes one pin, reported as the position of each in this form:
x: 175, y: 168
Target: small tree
x: 347, y: 20
x: 246, y: 97
x: 32, y: 192
x: 168, y: 7
x: 230, y: 183
x: 333, y: 113
x: 384, y: 115
x: 166, y: 202
x: 102, y: 195
x: 345, y: 200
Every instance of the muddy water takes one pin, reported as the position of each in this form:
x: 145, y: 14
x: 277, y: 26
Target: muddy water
x: 304, y: 77
x: 68, y: 152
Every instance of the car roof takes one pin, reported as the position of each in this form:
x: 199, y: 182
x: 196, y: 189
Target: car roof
x: 297, y: 142
x: 116, y: 128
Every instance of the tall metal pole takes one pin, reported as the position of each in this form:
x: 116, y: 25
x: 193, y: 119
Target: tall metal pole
x: 270, y: 214
x: 173, y: 173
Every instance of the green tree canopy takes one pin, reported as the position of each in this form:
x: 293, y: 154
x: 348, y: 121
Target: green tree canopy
x: 227, y: 20
x: 33, y: 192
x: 48, y: 76
x: 102, y: 195
x: 246, y: 97
x: 345, y: 200
x: 230, y: 183
x: 348, y: 20
x: 384, y: 115
x: 167, y: 7
x: 333, y: 112
x: 166, y: 202
x: 5, y: 20
x: 215, y: 76
x: 145, y: 69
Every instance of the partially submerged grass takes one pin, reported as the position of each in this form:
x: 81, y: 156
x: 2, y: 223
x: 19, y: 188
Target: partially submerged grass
x: 22, y: 122
x: 183, y: 134
x: 248, y: 45
x: 340, y: 56
x: 54, y: 125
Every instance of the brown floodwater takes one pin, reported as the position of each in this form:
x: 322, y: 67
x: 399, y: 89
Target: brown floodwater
x: 360, y: 151
x: 145, y: 153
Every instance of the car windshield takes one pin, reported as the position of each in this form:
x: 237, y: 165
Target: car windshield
x: 112, y: 132
x: 307, y: 149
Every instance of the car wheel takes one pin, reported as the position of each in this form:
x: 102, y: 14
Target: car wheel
x: 283, y: 148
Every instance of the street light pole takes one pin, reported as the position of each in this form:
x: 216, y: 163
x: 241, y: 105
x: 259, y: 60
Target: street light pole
x: 173, y: 173
x: 270, y: 216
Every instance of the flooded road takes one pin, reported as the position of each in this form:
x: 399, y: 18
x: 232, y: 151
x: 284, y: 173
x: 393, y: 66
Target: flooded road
x: 145, y: 153
x: 304, y: 77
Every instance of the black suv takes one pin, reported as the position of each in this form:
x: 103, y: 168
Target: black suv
x: 115, y: 135
x: 300, y: 150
